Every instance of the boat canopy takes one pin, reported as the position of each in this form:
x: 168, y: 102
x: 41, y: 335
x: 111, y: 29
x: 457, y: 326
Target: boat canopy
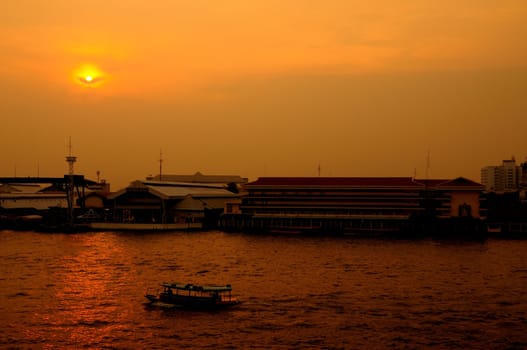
x: 198, y: 288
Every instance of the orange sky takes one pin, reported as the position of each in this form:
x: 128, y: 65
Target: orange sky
x: 262, y: 88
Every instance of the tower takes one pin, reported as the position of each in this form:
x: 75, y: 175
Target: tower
x: 70, y: 159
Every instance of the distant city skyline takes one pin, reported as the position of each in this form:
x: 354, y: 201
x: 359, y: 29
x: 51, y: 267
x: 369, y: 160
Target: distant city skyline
x: 488, y: 176
x: 123, y: 182
x: 262, y: 88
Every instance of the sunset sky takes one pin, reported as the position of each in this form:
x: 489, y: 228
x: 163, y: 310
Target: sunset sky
x: 262, y: 88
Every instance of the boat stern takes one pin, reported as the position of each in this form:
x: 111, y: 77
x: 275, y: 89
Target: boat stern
x: 151, y: 297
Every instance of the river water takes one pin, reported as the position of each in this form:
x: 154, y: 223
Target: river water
x: 87, y: 291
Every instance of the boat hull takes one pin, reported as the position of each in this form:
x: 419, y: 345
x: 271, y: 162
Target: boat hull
x: 191, y: 302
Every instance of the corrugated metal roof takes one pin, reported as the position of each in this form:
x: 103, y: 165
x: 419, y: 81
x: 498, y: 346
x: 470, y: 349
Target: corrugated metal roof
x: 214, y: 203
x: 174, y: 192
x: 190, y: 203
x: 199, y: 177
x: 194, y: 204
x: 182, y: 184
x: 21, y: 188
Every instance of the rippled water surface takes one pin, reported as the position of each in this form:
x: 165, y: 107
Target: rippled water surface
x: 87, y: 291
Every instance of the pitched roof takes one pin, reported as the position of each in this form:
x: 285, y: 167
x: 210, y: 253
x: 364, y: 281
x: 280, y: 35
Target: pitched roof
x: 191, y: 203
x: 461, y: 182
x: 199, y: 177
x: 431, y: 182
x: 20, y: 187
x: 174, y: 192
x: 167, y: 190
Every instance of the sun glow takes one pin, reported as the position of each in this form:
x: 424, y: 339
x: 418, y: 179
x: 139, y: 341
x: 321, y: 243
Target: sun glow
x: 89, y: 75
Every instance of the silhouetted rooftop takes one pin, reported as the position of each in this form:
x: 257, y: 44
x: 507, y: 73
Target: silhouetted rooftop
x: 336, y: 181
x: 361, y: 182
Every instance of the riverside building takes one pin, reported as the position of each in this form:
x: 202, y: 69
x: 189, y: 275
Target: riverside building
x: 164, y: 205
x: 351, y: 204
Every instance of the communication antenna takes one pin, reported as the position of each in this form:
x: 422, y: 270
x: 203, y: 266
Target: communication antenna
x: 318, y: 169
x: 70, y: 159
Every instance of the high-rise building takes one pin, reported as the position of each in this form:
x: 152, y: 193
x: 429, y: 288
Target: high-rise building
x: 523, y: 179
x: 502, y: 178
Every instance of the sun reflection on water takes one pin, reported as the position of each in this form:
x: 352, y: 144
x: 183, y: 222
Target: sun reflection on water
x: 92, y: 276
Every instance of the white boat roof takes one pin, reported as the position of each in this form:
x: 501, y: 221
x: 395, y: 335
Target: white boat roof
x: 197, y: 287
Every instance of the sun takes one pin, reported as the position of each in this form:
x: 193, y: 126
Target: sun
x: 89, y: 75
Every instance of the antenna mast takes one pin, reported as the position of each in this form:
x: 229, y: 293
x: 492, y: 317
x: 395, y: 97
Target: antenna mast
x: 70, y: 159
